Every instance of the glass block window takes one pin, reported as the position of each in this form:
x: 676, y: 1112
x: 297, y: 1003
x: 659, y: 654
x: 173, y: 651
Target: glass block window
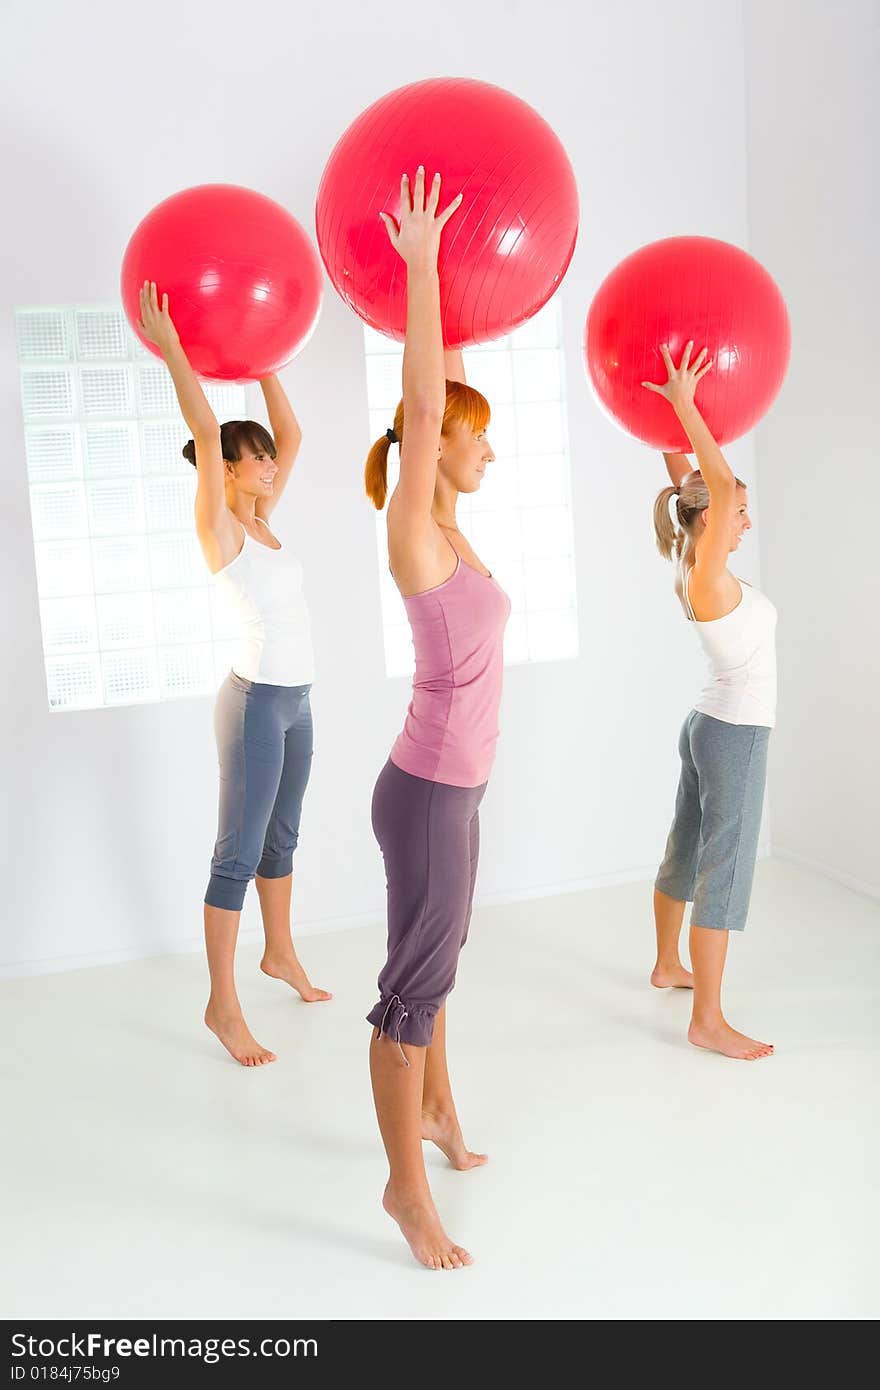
x: 520, y: 521
x: 127, y: 611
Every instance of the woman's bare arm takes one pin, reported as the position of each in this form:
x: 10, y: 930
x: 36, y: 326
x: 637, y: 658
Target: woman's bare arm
x: 713, y: 548
x: 677, y: 466
x: 417, y: 241
x: 287, y: 434
x: 453, y: 365
x: 157, y: 325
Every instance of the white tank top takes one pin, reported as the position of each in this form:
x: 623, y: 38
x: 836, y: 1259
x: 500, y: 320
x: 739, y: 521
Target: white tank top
x: 264, y: 592
x: 741, y: 648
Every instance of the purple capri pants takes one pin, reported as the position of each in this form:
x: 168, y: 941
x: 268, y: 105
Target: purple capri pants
x: 429, y: 834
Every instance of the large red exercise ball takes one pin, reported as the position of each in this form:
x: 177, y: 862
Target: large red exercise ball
x: 506, y: 249
x: 687, y: 287
x: 242, y: 277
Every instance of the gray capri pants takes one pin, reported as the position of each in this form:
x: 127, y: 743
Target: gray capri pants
x: 429, y: 834
x: 710, y: 853
x: 264, y: 744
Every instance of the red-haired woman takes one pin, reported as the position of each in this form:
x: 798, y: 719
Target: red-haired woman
x: 426, y: 800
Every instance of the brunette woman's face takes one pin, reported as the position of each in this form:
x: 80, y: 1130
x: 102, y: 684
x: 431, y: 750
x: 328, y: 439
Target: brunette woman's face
x: 464, y: 457
x: 253, y: 474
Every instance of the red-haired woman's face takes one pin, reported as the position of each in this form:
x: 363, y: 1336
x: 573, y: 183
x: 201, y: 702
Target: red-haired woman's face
x: 464, y: 457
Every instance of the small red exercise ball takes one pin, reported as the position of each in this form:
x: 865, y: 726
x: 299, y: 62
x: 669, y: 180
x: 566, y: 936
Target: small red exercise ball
x: 687, y: 287
x: 242, y: 278
x: 502, y: 254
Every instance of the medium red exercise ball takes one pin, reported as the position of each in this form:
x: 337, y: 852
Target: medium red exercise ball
x: 242, y: 278
x: 687, y: 287
x: 502, y: 254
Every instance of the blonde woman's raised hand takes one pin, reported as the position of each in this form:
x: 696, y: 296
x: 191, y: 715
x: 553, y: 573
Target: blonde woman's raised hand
x: 156, y: 322
x: 681, y: 381
x: 417, y: 239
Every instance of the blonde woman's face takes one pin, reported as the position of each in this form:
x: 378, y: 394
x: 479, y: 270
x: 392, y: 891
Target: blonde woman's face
x: 464, y: 457
x: 742, y: 520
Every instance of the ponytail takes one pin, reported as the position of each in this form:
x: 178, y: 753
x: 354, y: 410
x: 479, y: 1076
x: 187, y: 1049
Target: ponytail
x: 376, y: 472
x: 376, y: 469
x: 664, y: 531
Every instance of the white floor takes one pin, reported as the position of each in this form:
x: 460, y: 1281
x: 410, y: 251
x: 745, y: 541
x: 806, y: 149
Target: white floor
x: 631, y: 1176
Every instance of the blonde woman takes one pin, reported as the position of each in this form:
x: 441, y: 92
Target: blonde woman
x: 713, y: 842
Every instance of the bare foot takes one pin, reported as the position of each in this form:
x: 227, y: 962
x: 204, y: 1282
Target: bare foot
x: 288, y: 968
x: 420, y: 1224
x: 672, y: 977
x: 445, y: 1132
x: 720, y: 1037
x: 237, y: 1038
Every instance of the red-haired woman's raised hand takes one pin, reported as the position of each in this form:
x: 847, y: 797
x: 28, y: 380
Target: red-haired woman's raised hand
x: 417, y: 239
x: 681, y: 382
x: 156, y: 322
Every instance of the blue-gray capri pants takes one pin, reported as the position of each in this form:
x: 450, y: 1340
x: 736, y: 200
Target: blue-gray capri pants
x: 264, y: 744
x: 711, y: 850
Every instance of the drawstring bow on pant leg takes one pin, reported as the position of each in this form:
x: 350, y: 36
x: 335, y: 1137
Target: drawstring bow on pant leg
x: 395, y: 1002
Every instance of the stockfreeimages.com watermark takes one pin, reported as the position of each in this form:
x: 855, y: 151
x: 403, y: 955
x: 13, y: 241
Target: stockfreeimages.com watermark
x: 92, y: 1346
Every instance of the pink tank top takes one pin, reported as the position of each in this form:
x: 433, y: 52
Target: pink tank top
x: 452, y: 724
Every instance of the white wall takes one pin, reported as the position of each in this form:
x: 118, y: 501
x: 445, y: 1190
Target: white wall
x: 111, y: 813
x: 813, y: 89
